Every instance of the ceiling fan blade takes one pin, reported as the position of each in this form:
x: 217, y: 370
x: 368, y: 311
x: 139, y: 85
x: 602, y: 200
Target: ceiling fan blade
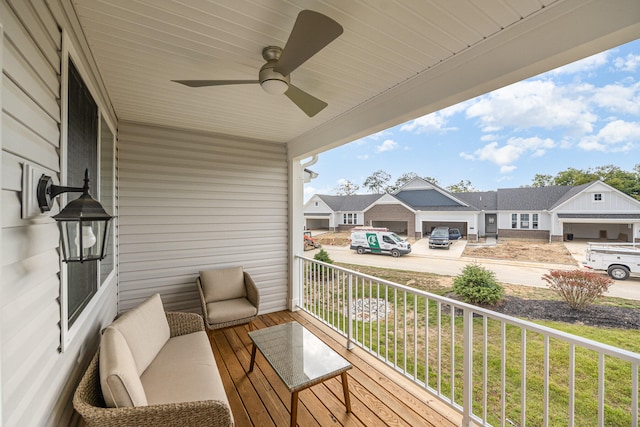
x: 311, y: 32
x: 201, y: 83
x: 307, y: 103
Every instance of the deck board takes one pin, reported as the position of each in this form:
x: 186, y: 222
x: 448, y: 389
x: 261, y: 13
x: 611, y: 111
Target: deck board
x: 379, y: 395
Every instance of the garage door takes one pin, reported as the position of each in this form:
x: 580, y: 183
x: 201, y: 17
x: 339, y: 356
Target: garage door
x: 428, y: 226
x: 317, y: 224
x: 596, y: 231
x: 398, y: 227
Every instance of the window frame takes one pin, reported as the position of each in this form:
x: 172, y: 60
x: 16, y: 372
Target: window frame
x: 596, y: 199
x: 69, y: 53
x: 533, y: 220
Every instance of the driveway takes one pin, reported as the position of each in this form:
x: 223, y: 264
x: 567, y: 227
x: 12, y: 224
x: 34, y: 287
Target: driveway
x: 450, y: 263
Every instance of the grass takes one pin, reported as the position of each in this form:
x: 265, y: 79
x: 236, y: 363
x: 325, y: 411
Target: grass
x: 414, y: 350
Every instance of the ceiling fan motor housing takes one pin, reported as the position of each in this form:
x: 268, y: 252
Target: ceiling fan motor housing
x: 271, y: 80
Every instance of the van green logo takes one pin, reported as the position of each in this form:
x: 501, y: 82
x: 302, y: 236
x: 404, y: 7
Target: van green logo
x: 372, y: 239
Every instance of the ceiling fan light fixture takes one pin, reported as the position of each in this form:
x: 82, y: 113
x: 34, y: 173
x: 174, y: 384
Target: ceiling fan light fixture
x: 274, y: 86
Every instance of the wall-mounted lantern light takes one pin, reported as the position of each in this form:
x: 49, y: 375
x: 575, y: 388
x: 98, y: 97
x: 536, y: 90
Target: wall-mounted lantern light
x: 83, y: 223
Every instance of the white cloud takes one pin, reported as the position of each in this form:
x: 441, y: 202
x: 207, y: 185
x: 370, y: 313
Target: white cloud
x: 536, y: 104
x: 587, y: 64
x: 616, y: 136
x: 387, y: 145
x: 435, y: 122
x: 630, y: 63
x: 619, y: 98
x: 515, y: 148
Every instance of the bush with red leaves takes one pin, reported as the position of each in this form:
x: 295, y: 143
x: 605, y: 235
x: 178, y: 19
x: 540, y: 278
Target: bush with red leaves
x: 578, y: 288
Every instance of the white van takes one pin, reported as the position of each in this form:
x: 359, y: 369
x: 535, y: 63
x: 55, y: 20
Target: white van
x: 378, y: 240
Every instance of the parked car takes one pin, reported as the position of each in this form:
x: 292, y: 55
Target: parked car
x: 454, y: 234
x: 439, y: 238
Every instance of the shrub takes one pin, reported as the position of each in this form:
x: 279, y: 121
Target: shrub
x: 578, y: 288
x: 323, y: 256
x: 477, y: 285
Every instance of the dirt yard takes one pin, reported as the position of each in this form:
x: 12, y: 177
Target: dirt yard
x: 333, y: 238
x: 523, y: 250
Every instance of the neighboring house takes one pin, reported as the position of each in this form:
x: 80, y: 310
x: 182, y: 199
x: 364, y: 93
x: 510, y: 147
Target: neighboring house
x: 323, y: 212
x: 590, y: 211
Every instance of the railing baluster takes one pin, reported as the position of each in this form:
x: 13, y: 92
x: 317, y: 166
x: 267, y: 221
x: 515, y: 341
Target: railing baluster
x: 415, y: 337
x: 485, y: 369
x: 350, y: 312
x: 634, y: 394
x: 404, y: 331
x: 395, y: 328
x: 452, y: 326
x: 503, y: 374
x: 439, y: 352
x: 370, y: 318
x: 378, y: 316
x: 601, y: 389
x: 545, y: 409
x: 572, y: 384
x: 523, y: 379
x: 426, y: 339
x: 467, y: 367
x: 386, y: 325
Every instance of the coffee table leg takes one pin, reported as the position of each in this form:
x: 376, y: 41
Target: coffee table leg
x: 345, y: 389
x: 253, y: 358
x: 294, y: 409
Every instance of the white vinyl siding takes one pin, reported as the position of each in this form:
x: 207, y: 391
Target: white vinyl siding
x: 190, y: 201
x: 38, y: 380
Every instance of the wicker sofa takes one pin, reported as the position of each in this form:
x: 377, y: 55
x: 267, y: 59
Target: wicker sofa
x: 153, y: 368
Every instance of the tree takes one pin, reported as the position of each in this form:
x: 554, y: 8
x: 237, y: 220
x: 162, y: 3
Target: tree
x: 347, y: 188
x: 463, y: 186
x: 378, y: 182
x: 540, y: 180
x: 624, y: 181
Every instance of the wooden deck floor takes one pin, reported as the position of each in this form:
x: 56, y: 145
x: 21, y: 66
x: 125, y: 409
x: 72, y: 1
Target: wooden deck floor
x: 379, y: 395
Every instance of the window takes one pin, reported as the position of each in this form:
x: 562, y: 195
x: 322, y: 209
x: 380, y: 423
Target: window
x: 597, y: 197
x: 514, y: 220
x: 87, y: 142
x: 524, y: 220
x: 316, y: 204
x: 534, y: 221
x: 82, y: 153
x: 350, y: 218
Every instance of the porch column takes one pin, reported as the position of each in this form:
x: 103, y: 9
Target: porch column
x: 296, y: 228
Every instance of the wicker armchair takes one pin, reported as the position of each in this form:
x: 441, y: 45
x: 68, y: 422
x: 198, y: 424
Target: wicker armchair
x: 89, y: 403
x: 229, y: 297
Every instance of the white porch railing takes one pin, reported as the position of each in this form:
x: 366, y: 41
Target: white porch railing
x: 459, y: 353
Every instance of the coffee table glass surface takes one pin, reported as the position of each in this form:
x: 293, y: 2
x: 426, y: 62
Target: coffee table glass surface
x: 299, y: 358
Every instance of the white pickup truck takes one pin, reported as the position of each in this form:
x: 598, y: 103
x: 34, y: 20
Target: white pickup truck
x: 619, y: 260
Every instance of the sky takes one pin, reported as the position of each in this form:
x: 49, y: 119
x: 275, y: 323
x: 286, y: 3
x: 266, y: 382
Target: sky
x: 582, y: 115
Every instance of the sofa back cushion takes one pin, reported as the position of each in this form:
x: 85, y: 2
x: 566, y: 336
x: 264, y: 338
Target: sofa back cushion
x: 119, y: 379
x: 223, y: 284
x: 146, y: 330
x: 128, y: 347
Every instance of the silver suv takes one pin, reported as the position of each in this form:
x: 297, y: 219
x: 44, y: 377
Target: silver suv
x: 439, y: 238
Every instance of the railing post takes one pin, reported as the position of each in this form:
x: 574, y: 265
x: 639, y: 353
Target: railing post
x: 350, y: 313
x: 467, y: 367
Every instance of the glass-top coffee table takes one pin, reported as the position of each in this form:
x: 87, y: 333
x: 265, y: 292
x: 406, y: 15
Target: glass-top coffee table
x: 300, y: 359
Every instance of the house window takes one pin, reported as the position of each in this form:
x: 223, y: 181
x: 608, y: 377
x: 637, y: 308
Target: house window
x: 315, y: 204
x: 88, y: 142
x: 350, y: 218
x: 82, y: 153
x: 524, y: 221
x: 534, y: 221
x: 514, y: 220
x: 597, y: 197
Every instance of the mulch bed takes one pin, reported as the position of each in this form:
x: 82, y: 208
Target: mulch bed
x: 594, y: 315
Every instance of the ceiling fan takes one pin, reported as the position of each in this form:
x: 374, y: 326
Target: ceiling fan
x: 311, y: 33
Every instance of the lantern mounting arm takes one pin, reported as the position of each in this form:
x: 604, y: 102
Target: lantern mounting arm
x: 47, y: 190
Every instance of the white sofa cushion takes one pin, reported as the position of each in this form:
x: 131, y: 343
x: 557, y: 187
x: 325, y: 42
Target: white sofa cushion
x: 119, y: 379
x: 127, y: 348
x: 146, y: 330
x: 183, y: 371
x: 223, y: 284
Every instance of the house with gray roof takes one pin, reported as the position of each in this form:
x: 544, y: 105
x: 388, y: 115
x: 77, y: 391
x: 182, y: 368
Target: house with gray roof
x: 333, y: 213
x: 594, y: 211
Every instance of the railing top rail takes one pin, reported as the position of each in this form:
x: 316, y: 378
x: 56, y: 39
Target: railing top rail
x: 530, y: 326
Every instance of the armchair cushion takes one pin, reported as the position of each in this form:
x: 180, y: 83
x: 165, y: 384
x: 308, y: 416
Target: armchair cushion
x: 230, y: 310
x: 223, y: 284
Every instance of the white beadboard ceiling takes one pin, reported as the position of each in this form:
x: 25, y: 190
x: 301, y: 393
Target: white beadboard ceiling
x: 396, y: 60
